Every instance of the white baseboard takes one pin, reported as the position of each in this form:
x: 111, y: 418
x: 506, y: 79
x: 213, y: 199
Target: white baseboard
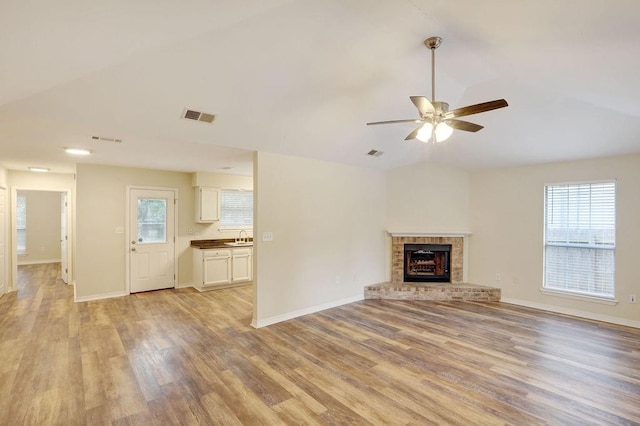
x: 306, y: 311
x: 184, y: 285
x: 36, y: 262
x: 572, y: 312
x: 99, y: 296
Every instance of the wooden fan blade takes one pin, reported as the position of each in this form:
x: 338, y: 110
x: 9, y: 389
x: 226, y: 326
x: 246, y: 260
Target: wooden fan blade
x: 410, y: 120
x: 423, y: 104
x: 413, y: 134
x: 476, y: 109
x: 464, y: 125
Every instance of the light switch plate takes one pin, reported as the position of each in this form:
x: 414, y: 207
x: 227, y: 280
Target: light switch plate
x: 267, y: 236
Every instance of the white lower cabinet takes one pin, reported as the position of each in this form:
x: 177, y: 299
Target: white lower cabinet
x: 241, y: 264
x: 216, y: 267
x: 221, y: 267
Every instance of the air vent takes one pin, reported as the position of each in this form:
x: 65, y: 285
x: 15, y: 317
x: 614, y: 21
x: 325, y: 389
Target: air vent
x: 191, y: 114
x: 375, y: 153
x: 100, y: 138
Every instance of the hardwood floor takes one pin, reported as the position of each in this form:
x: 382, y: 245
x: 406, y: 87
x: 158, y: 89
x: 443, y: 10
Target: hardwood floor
x: 183, y: 357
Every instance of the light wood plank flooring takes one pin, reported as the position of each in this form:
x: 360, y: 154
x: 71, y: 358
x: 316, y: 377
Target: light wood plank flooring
x: 183, y: 357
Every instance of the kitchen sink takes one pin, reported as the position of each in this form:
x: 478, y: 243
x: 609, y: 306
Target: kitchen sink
x: 240, y: 244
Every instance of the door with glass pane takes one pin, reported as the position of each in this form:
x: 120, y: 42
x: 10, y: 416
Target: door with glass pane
x: 151, y: 239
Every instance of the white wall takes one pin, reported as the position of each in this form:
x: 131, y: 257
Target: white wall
x: 329, y: 238
x: 43, y: 227
x: 427, y: 197
x: 507, y: 220
x: 101, y: 208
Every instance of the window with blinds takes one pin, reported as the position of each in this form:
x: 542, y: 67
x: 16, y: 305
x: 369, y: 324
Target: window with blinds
x: 236, y: 209
x: 580, y: 238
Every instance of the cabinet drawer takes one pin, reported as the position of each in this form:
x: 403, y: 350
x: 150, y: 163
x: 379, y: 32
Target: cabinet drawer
x: 242, y: 252
x: 216, y: 253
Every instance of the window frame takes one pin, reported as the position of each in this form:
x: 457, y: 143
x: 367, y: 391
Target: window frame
x: 594, y: 249
x: 235, y: 226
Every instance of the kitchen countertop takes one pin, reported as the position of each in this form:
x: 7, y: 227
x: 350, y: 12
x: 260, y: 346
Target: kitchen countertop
x: 212, y: 244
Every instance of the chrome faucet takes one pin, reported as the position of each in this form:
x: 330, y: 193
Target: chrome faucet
x: 240, y: 239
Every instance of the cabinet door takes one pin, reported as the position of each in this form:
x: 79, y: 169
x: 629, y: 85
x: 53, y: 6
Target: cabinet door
x: 207, y: 204
x: 242, y: 265
x: 216, y: 270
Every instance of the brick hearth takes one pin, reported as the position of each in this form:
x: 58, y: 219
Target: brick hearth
x: 432, y: 291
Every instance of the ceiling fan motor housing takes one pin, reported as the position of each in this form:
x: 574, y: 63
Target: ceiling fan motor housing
x: 440, y: 108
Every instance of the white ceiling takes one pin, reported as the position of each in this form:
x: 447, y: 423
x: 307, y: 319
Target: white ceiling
x: 303, y: 78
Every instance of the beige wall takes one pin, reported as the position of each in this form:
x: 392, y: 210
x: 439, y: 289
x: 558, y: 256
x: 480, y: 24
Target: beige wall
x: 205, y: 231
x: 329, y: 239
x: 427, y: 197
x: 507, y: 220
x: 101, y: 252
x: 43, y: 227
x: 4, y: 178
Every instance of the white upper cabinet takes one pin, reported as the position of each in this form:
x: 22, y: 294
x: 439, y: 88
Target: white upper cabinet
x: 207, y: 204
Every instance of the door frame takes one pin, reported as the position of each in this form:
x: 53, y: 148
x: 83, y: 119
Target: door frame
x: 14, y: 233
x: 4, y: 280
x: 128, y: 230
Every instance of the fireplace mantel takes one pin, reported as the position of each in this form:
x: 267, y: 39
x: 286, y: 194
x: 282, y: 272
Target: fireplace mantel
x: 429, y: 234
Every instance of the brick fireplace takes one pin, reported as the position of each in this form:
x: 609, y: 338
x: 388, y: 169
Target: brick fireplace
x: 398, y: 248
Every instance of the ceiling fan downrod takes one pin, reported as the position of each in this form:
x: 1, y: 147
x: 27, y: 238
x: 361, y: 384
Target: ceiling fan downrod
x: 433, y: 43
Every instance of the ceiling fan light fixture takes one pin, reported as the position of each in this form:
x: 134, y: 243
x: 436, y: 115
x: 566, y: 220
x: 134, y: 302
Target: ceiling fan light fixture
x: 424, y: 134
x: 443, y: 131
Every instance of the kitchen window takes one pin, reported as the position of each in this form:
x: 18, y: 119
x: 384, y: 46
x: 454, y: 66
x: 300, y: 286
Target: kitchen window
x: 236, y: 209
x: 580, y: 239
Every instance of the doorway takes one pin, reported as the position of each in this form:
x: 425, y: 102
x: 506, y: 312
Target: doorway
x: 41, y: 230
x: 152, y: 260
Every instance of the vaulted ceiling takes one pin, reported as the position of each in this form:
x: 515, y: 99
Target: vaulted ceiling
x: 303, y: 78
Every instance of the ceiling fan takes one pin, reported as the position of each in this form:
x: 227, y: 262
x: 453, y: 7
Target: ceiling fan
x: 436, y: 121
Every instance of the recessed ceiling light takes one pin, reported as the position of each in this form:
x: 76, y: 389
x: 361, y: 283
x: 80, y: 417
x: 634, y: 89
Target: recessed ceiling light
x: 77, y: 151
x: 39, y: 169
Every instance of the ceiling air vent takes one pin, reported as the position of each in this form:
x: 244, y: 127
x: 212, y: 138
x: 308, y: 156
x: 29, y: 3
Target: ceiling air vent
x: 375, y: 153
x: 191, y: 114
x: 100, y: 138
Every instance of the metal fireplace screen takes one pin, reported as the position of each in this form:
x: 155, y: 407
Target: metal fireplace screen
x: 427, y: 262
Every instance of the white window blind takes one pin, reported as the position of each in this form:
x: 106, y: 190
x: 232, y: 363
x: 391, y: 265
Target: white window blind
x: 580, y: 238
x: 236, y: 209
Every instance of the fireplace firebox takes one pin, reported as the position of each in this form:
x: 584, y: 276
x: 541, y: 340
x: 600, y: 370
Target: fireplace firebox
x: 427, y: 262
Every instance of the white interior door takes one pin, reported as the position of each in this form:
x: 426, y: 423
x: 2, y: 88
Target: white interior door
x: 64, y: 238
x: 151, y: 239
x: 3, y: 241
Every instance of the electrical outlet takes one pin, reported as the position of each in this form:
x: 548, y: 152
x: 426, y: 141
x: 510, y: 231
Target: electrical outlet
x: 498, y: 276
x: 632, y: 298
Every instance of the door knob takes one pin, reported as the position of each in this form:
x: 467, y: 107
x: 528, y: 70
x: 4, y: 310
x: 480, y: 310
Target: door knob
x: 133, y: 241
x: 133, y: 249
